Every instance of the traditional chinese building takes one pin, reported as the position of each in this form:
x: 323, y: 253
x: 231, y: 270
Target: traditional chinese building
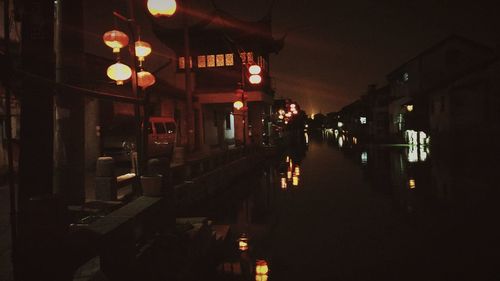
x: 222, y: 47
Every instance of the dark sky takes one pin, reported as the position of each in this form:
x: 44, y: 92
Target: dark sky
x: 336, y: 48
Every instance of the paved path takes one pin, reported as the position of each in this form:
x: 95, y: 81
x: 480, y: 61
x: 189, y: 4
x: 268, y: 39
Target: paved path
x: 336, y: 228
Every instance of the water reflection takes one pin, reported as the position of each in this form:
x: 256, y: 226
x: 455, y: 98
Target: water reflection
x: 291, y: 177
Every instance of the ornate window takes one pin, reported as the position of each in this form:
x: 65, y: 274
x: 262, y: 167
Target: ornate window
x: 211, y: 60
x: 229, y: 60
x: 182, y: 62
x: 219, y: 60
x: 202, y: 61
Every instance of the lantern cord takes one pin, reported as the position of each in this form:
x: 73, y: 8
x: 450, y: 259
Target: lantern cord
x: 83, y: 91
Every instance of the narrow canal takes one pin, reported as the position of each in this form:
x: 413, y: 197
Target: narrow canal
x: 334, y: 211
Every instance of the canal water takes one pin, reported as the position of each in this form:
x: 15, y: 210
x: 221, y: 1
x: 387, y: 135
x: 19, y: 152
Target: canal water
x: 338, y: 210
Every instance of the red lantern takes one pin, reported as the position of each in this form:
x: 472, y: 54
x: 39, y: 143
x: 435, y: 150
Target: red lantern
x: 145, y: 79
x: 115, y: 39
x: 261, y: 267
x: 238, y: 105
x: 142, y: 49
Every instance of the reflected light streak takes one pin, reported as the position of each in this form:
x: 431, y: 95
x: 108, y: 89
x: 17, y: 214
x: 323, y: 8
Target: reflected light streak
x: 297, y: 171
x: 412, y: 154
x: 364, y: 157
x: 341, y: 142
x: 284, y: 184
x: 411, y: 183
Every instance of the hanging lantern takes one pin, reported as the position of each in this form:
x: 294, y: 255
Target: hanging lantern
x: 261, y: 267
x: 142, y: 49
x: 254, y: 69
x: 115, y: 39
x: 119, y: 72
x: 243, y: 242
x: 255, y: 79
x: 162, y: 8
x: 145, y: 79
x: 238, y: 105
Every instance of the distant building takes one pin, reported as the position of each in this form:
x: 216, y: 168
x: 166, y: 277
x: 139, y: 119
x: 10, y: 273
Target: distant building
x: 411, y: 83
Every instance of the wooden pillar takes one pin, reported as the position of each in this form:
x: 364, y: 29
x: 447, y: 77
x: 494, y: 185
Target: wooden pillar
x: 70, y: 108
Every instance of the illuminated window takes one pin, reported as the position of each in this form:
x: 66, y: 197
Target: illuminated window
x: 250, y: 57
x: 229, y: 59
x: 219, y: 60
x: 362, y: 120
x: 182, y: 63
x: 202, y: 61
x: 243, y: 57
x: 211, y: 61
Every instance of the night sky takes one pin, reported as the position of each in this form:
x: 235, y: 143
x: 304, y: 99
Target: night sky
x: 336, y: 48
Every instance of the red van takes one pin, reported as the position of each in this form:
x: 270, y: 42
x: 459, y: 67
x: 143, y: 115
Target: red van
x: 119, y: 138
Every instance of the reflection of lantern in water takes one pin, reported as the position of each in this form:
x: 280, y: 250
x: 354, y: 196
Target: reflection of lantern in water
x: 261, y: 277
x: 295, y: 181
x: 411, y: 183
x: 291, y: 164
x: 289, y: 174
x: 261, y: 267
x: 341, y: 142
x: 297, y: 170
x: 283, y: 183
x: 243, y: 242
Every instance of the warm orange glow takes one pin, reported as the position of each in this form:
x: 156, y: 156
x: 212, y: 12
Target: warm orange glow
x: 409, y: 107
x: 238, y: 105
x: 142, y: 49
x: 295, y: 181
x: 261, y: 277
x: 115, y: 39
x: 119, y: 72
x: 261, y: 267
x: 289, y: 175
x: 284, y: 185
x: 243, y: 243
x: 255, y: 79
x: 145, y: 79
x: 162, y: 8
x: 297, y: 171
x: 411, y: 183
x: 254, y: 69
